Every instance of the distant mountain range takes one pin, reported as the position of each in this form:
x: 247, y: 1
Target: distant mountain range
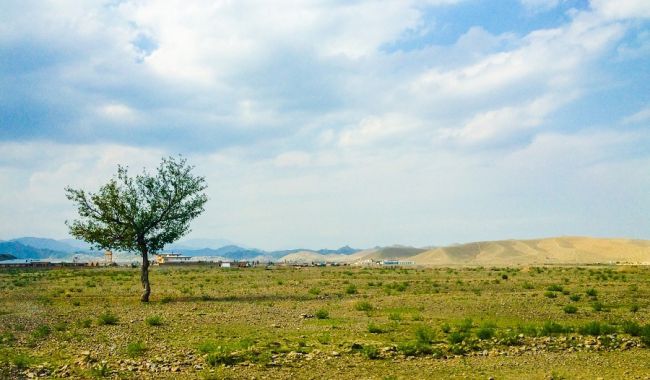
x: 36, y: 248
x: 560, y: 250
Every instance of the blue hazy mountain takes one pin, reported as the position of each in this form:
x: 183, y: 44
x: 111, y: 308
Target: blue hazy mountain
x: 22, y: 251
x: 49, y: 244
x: 65, y: 249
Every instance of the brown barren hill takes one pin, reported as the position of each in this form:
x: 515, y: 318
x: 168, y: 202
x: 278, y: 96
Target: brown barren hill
x: 560, y: 250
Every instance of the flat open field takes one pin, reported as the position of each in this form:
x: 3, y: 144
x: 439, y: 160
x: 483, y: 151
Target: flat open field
x: 332, y: 322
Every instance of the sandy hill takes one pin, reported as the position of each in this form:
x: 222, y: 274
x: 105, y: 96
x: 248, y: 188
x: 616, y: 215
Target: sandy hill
x: 393, y: 252
x: 313, y: 256
x: 561, y: 250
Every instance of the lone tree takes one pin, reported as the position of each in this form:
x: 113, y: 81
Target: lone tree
x: 142, y: 213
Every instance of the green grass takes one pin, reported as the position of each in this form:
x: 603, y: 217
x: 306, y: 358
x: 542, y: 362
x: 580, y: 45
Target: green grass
x: 256, y: 322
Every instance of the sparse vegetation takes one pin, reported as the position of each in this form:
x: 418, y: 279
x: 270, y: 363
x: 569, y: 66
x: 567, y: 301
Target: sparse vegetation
x: 260, y: 321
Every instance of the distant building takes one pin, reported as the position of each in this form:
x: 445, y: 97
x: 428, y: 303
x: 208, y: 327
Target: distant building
x: 397, y: 262
x: 171, y: 258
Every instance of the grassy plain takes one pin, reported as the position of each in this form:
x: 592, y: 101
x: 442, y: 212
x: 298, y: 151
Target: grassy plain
x: 333, y: 322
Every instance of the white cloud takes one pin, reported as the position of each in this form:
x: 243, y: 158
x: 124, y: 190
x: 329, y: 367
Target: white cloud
x: 641, y: 116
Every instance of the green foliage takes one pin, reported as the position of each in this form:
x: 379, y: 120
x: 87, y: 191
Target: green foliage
x: 141, y: 213
x: 363, y: 306
x: 134, y: 349
x: 322, y: 314
x: 555, y: 288
x: 351, y: 289
x: 41, y: 331
x: 485, y: 332
x: 575, y: 297
x: 631, y: 327
x: 551, y: 328
x: 154, y: 320
x: 375, y: 329
x: 457, y: 337
x: 425, y: 335
x: 596, y: 328
x: 570, y: 309
x: 598, y: 306
x: 107, y: 319
x: 591, y: 292
x: 370, y: 352
x: 550, y: 294
x: 315, y: 291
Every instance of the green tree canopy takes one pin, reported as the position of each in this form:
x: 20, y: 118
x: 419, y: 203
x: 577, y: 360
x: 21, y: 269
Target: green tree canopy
x: 142, y: 213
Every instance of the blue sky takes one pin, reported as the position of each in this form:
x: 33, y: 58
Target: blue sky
x: 320, y: 124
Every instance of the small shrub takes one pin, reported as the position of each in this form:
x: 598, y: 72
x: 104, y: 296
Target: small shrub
x: 465, y: 325
x: 596, y: 328
x: 570, y: 309
x: 425, y: 334
x: 314, y: 291
x: 76, y: 303
x: 207, y: 347
x: 41, y: 332
x: 634, y: 308
x: 22, y: 361
x: 7, y: 338
x: 85, y: 323
x: 222, y: 355
x: 395, y: 316
x: 322, y: 314
x: 370, y: 352
x: 457, y: 337
x: 375, y: 329
x: 591, y: 292
x: 550, y: 294
x: 445, y: 328
x: 407, y: 348
x: 134, y: 349
x: 504, y: 276
x: 485, y: 333
x: 555, y: 288
x: 645, y: 335
x: 631, y: 327
x: 598, y: 306
x: 575, y: 297
x: 527, y: 285
x: 351, y: 289
x: 550, y: 328
x: 60, y: 326
x: 154, y: 320
x: 363, y: 306
x: 107, y: 319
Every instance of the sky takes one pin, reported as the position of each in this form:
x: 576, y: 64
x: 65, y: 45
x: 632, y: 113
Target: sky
x: 324, y: 123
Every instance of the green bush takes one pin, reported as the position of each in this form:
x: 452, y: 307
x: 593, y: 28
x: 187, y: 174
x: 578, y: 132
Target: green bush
x: 550, y: 294
x: 107, y: 319
x: 375, y: 329
x: 631, y: 327
x: 407, y: 348
x: 424, y: 334
x: 154, y: 320
x: 598, y: 306
x: 41, y: 332
x: 134, y: 349
x: 222, y: 355
x: 363, y: 306
x: 351, y: 289
x: 315, y: 291
x: 485, y: 332
x: 466, y: 325
x: 555, y: 288
x: 575, y: 297
x: 457, y: 337
x: 550, y: 328
x: 370, y: 352
x: 570, y: 309
x: 445, y: 328
x: 322, y: 314
x: 591, y: 292
x: 596, y: 328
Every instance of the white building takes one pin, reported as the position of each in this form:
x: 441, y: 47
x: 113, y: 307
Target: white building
x: 171, y: 258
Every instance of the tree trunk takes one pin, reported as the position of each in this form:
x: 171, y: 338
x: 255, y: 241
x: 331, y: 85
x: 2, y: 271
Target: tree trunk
x: 144, y: 277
